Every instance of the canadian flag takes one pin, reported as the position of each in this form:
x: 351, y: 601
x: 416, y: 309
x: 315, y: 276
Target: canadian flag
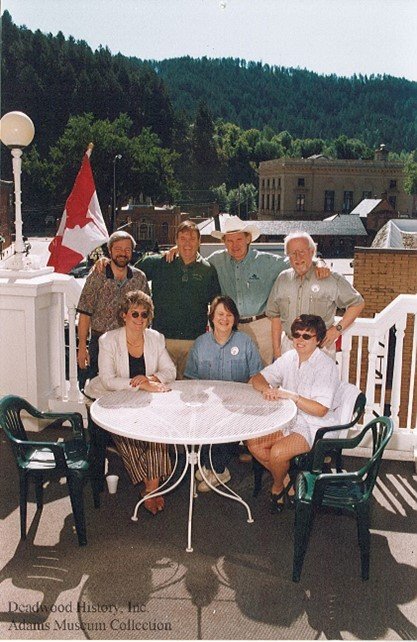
x: 82, y: 226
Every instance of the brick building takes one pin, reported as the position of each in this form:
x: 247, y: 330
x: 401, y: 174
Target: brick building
x: 380, y: 275
x: 374, y: 214
x: 149, y: 224
x: 315, y: 187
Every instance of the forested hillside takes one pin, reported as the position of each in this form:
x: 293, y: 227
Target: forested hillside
x: 185, y: 129
x: 250, y: 94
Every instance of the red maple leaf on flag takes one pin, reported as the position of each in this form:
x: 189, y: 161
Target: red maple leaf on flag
x: 77, y: 205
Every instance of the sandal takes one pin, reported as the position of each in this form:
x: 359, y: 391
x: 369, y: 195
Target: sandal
x: 150, y: 505
x: 290, y: 500
x: 277, y: 506
x: 160, y: 503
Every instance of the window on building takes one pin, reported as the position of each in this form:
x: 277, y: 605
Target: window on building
x: 367, y: 194
x: 300, y: 203
x: 263, y: 182
x: 267, y: 201
x: 267, y: 182
x: 262, y: 201
x: 301, y: 182
x: 392, y: 200
x: 329, y: 200
x: 279, y: 182
x: 165, y: 230
x: 278, y: 202
x: 347, y: 202
x: 393, y: 184
x: 273, y: 202
x: 144, y: 232
x: 273, y: 183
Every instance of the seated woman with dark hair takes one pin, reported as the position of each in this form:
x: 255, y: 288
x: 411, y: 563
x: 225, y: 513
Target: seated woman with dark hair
x: 310, y: 378
x: 134, y: 356
x: 225, y: 354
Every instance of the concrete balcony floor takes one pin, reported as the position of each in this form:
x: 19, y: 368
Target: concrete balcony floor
x: 134, y: 580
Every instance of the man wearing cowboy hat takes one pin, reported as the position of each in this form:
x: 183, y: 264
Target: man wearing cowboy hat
x: 247, y: 276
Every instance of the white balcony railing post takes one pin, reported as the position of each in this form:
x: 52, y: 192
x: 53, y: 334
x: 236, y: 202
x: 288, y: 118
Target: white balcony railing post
x: 370, y: 378
x: 413, y: 368
x: 73, y: 390
x: 398, y: 370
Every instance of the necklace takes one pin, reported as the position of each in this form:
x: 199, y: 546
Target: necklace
x: 135, y: 345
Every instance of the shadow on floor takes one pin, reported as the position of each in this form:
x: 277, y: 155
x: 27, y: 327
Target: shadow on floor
x: 136, y: 581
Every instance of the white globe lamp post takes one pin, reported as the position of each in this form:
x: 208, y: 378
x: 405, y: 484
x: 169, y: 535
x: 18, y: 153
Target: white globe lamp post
x: 17, y: 132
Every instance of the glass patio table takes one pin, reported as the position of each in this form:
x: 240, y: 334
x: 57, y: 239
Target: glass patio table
x: 194, y: 413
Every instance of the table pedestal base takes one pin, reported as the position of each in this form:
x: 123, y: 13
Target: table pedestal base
x: 192, y: 458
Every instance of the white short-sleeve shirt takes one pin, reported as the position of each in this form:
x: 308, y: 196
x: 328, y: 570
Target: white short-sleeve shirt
x: 317, y: 379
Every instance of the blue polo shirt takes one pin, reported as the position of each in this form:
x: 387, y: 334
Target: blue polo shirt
x: 247, y: 282
x: 236, y: 360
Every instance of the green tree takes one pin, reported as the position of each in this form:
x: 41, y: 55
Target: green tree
x: 206, y: 167
x: 308, y: 147
x: 350, y: 148
x: 238, y: 201
x: 146, y: 167
x: 410, y: 170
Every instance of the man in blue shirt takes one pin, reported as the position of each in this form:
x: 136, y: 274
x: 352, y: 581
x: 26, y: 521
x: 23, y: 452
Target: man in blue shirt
x: 247, y: 276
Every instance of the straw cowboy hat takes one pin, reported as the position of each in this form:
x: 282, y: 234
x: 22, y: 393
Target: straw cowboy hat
x: 235, y: 224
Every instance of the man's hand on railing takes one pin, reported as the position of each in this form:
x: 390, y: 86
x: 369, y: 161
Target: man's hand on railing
x: 332, y: 335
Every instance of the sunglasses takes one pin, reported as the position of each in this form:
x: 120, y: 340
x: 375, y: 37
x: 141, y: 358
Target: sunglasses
x: 306, y: 337
x: 136, y: 315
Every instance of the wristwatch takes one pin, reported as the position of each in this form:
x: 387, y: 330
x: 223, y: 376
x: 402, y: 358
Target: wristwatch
x: 339, y: 328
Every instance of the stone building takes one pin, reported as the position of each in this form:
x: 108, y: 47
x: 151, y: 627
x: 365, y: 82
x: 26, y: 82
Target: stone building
x: 316, y: 187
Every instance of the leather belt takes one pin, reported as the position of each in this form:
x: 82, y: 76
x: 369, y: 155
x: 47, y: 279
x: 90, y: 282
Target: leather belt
x: 254, y: 318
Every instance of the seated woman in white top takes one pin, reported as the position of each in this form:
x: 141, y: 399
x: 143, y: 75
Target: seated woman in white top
x: 134, y: 356
x: 308, y: 377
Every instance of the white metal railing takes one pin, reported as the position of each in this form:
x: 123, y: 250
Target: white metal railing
x: 383, y: 369
x: 68, y: 293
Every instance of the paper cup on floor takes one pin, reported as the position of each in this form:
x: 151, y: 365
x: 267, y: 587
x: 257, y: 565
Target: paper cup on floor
x: 112, y: 481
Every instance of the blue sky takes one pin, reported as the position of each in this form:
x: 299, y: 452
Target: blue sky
x: 326, y: 36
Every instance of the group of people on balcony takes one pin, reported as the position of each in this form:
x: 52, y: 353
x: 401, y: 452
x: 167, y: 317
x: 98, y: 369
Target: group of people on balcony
x: 269, y: 326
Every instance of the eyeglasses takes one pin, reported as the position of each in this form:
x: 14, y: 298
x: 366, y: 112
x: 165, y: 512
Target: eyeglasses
x: 296, y: 253
x: 306, y: 337
x: 136, y: 315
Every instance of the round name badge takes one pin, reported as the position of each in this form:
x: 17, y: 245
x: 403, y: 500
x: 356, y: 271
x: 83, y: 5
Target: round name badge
x: 315, y: 288
x: 234, y: 351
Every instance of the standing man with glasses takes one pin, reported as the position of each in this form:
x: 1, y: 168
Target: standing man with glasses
x: 298, y: 291
x: 101, y: 295
x: 181, y: 291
